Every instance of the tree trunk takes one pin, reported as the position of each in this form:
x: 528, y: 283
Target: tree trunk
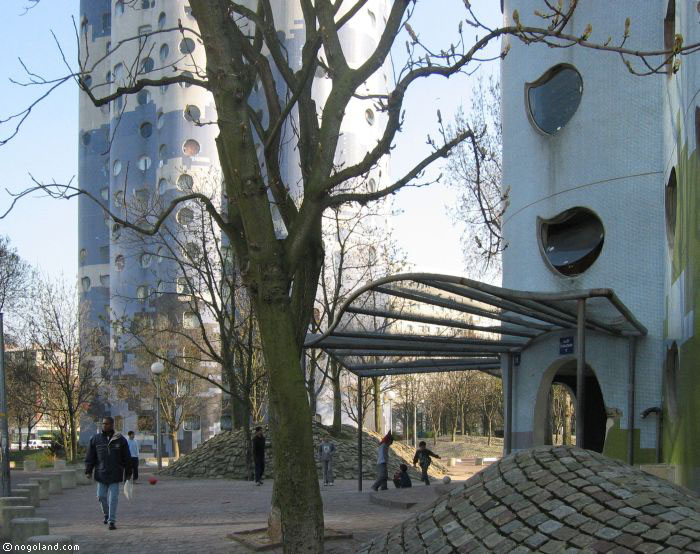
x: 435, y: 434
x: 548, y: 421
x: 176, y: 445
x: 19, y: 441
x: 337, y: 400
x: 462, y: 420
x: 454, y: 430
x: 378, y: 406
x: 73, y: 438
x: 296, y: 494
x: 489, y: 439
x: 566, y: 435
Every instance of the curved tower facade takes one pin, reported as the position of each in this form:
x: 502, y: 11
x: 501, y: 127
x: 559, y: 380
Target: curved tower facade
x: 588, y: 152
x: 141, y: 151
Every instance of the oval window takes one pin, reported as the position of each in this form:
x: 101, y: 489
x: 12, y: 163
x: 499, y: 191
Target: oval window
x: 187, y: 45
x: 162, y: 152
x: 190, y: 148
x: 144, y: 163
x: 554, y: 98
x: 162, y: 186
x: 161, y: 20
x: 147, y: 65
x: 160, y: 120
x: 86, y: 284
x: 185, y: 216
x: 143, y: 97
x: 189, y: 75
x: 192, y: 113
x: 572, y: 241
x: 164, y: 51
x: 146, y: 130
x: 369, y: 116
x: 119, y: 262
x: 116, y: 168
x: 142, y: 292
x: 185, y: 182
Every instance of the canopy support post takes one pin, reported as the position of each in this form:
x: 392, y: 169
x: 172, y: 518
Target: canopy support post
x: 580, y: 370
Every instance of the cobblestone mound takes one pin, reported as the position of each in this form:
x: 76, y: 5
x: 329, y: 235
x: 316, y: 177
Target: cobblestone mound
x: 223, y: 456
x: 553, y: 499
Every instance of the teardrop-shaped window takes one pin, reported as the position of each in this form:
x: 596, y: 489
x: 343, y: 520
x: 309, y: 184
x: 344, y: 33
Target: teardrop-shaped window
x: 554, y: 98
x: 572, y: 241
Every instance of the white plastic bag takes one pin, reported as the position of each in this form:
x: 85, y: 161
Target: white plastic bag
x: 129, y: 489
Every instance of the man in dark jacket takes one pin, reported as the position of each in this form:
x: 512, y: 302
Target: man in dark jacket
x: 108, y: 456
x: 259, y: 454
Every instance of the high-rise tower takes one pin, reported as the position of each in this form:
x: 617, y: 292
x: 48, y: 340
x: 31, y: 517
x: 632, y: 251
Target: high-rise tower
x: 142, y: 150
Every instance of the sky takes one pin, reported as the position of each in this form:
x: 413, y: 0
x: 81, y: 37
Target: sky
x: 45, y: 231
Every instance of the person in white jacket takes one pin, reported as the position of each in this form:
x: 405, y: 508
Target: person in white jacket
x: 134, y: 453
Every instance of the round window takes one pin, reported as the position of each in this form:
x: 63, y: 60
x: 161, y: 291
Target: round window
x: 572, y: 241
x: 369, y: 116
x: 185, y: 182
x: 192, y: 113
x: 554, y: 98
x: 146, y: 130
x: 119, y: 262
x: 187, y: 45
x: 164, y: 51
x: 185, y: 216
x: 190, y: 148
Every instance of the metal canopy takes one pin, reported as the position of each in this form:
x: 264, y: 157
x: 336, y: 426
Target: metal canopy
x: 425, y: 323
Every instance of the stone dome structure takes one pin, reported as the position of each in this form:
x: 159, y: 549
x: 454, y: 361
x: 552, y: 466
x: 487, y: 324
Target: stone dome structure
x: 553, y: 499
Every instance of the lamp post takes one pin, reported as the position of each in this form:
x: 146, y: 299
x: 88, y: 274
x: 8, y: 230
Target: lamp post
x: 157, y: 368
x: 391, y: 395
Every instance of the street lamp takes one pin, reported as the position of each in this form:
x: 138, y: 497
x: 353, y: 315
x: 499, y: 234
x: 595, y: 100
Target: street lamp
x: 157, y: 368
x: 391, y: 395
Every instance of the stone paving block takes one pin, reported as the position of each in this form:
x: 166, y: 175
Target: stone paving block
x: 493, y: 539
x: 576, y: 520
x: 534, y: 541
x: 679, y: 541
x: 601, y: 546
x: 548, y: 527
x: 564, y: 533
x: 607, y: 533
x: 628, y: 541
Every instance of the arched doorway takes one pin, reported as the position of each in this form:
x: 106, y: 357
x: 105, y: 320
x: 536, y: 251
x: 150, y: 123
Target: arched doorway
x: 563, y: 371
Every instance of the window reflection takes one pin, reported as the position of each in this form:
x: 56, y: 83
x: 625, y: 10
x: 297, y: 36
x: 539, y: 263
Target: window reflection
x: 554, y: 98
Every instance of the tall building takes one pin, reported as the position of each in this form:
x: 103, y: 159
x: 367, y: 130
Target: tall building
x: 142, y: 150
x: 602, y: 167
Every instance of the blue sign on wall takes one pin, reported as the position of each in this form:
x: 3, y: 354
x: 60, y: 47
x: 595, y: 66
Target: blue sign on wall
x: 566, y: 345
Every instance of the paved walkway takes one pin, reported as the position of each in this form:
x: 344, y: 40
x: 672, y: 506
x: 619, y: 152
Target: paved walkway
x: 196, y: 515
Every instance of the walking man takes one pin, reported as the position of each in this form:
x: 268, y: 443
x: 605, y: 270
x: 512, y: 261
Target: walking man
x: 382, y: 461
x: 108, y: 456
x: 259, y: 455
x: 134, y: 453
x: 325, y: 451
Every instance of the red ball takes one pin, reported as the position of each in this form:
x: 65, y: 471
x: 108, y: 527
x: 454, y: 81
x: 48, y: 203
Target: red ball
x: 152, y: 480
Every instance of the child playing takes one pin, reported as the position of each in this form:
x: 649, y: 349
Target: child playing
x: 401, y: 478
x: 423, y: 456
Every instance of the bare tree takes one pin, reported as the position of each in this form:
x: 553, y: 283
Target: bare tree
x: 15, y: 277
x: 281, y: 269
x: 72, y: 364
x: 359, y: 248
x: 475, y: 172
x: 489, y: 396
x: 26, y: 403
x: 561, y: 412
